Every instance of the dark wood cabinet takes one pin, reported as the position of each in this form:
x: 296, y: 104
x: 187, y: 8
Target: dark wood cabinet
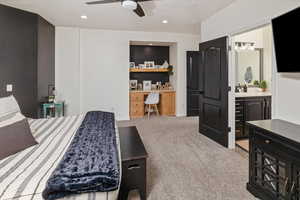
x: 274, y: 163
x: 250, y: 109
x: 295, y: 188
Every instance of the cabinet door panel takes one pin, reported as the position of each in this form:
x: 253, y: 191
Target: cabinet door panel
x: 268, y: 108
x: 168, y: 104
x: 270, y: 172
x: 254, y: 110
x: 295, y: 186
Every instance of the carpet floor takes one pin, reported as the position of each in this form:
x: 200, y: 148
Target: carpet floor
x: 185, y: 165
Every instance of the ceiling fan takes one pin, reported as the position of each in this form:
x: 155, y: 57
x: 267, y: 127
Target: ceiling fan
x: 129, y: 4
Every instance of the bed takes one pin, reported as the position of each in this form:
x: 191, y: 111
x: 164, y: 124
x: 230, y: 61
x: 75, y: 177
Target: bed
x: 24, y: 175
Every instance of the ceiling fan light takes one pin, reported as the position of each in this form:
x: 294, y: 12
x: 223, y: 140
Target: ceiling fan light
x: 129, y: 4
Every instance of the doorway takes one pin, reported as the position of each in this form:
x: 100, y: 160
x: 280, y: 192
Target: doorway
x: 251, y: 78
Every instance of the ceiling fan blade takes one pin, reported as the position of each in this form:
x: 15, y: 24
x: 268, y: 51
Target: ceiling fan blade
x: 102, y: 2
x: 139, y: 10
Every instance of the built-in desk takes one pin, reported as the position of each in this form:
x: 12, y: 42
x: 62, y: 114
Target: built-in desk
x: 166, y: 104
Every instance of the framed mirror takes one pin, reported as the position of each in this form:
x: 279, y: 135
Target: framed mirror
x: 249, y: 66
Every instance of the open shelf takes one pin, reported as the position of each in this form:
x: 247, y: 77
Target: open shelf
x: 148, y: 70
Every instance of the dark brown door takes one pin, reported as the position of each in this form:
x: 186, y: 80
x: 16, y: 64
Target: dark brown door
x: 213, y: 116
x: 194, y: 84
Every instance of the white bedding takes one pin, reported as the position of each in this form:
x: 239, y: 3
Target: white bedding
x: 23, y: 176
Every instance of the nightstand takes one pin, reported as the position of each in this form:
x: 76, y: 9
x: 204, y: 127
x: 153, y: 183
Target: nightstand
x: 55, y: 109
x: 134, y: 162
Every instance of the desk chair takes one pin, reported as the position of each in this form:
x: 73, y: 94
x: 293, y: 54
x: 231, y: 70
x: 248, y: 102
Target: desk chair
x: 152, y: 101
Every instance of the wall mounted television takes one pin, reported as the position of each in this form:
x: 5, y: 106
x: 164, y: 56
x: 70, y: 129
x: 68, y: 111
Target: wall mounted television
x: 286, y: 34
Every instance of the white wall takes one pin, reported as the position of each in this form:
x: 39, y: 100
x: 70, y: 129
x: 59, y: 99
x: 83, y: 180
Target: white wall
x: 67, y: 68
x: 262, y: 37
x: 101, y: 57
x: 243, y: 15
x: 255, y: 36
x: 268, y: 54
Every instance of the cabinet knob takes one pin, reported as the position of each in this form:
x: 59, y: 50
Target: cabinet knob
x: 267, y: 141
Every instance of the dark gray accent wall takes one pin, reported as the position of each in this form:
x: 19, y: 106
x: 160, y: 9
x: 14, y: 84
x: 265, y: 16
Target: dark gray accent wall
x: 139, y: 54
x: 159, y: 54
x: 26, y: 57
x: 46, y: 57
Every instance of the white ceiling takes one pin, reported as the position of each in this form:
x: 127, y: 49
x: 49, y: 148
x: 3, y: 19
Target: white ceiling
x: 184, y: 16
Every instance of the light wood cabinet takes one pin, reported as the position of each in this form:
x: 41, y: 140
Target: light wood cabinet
x: 136, y: 105
x: 166, y: 105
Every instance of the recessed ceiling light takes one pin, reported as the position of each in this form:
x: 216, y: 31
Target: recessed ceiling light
x: 150, y: 44
x: 165, y: 21
x: 129, y: 4
x: 84, y: 17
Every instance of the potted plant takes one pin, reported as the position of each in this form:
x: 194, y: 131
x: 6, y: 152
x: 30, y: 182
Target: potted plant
x: 263, y: 85
x: 256, y: 83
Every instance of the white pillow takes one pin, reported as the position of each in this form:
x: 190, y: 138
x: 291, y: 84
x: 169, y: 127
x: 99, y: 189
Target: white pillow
x: 8, y: 107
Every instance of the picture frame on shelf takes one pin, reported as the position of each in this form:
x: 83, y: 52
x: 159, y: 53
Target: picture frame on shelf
x: 149, y: 64
x: 152, y: 64
x: 132, y: 65
x: 133, y: 84
x: 147, y: 85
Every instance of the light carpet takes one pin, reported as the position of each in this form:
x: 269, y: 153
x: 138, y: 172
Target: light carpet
x: 185, y: 165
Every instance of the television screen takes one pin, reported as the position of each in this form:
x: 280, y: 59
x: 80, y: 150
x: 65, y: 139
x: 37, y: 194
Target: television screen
x: 286, y: 32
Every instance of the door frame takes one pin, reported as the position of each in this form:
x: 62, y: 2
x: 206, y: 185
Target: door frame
x: 231, y: 79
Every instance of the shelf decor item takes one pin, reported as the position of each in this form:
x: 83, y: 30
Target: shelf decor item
x: 133, y: 84
x: 147, y: 85
x: 152, y: 64
x: 141, y: 66
x: 165, y: 65
x: 132, y: 64
x: 149, y: 64
x: 256, y: 83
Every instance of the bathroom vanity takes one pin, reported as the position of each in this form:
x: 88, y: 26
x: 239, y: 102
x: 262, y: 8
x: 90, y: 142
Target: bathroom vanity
x: 251, y: 107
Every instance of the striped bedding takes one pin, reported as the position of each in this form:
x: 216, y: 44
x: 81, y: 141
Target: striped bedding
x: 23, y: 176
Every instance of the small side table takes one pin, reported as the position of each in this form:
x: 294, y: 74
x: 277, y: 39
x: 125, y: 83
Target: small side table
x: 55, y: 109
x: 134, y: 160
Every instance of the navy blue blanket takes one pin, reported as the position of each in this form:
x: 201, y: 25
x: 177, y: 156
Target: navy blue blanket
x: 91, y: 163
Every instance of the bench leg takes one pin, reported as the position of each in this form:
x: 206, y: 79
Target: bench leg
x: 123, y: 194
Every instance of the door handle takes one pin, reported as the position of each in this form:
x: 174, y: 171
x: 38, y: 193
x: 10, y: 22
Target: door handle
x: 197, y: 91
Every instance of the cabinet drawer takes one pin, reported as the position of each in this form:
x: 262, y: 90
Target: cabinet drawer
x: 270, y: 145
x: 136, y: 105
x: 136, y: 109
x: 137, y: 97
